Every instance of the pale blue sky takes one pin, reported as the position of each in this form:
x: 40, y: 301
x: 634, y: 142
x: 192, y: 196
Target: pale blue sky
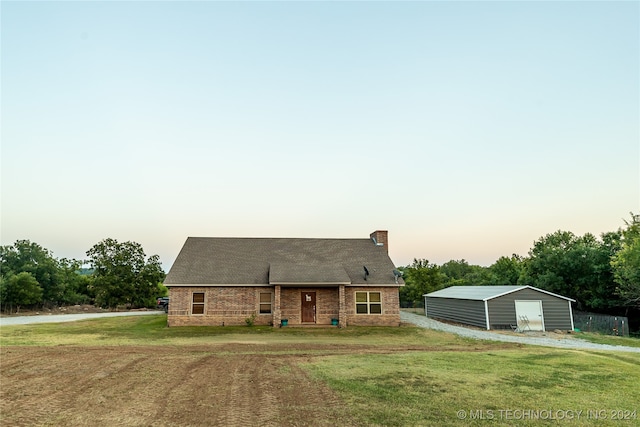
x: 466, y: 129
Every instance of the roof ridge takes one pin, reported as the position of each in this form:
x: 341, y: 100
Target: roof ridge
x: 281, y: 238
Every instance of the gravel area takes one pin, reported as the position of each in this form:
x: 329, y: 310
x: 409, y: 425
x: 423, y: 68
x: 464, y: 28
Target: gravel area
x: 548, y: 339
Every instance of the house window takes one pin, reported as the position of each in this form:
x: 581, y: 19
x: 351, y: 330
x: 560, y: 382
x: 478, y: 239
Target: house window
x: 197, y: 304
x: 265, y: 302
x: 368, y: 303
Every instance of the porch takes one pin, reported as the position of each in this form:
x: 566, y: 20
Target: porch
x: 316, y: 306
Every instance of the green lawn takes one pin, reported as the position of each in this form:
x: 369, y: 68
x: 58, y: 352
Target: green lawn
x: 425, y: 388
x: 152, y: 330
x: 418, y: 376
x: 609, y: 339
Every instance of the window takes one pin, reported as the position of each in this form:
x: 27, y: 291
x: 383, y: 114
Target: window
x: 197, y: 304
x: 265, y: 303
x: 368, y: 303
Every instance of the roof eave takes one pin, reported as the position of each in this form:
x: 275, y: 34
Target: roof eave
x: 303, y: 284
x: 519, y: 288
x: 210, y: 285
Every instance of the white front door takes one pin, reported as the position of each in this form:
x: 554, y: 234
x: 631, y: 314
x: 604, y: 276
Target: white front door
x: 529, y: 315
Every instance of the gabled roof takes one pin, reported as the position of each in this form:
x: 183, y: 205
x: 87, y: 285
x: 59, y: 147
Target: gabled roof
x: 483, y: 293
x: 285, y: 261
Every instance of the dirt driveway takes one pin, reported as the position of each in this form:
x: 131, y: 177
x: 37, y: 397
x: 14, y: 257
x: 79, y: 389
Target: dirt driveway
x: 226, y: 385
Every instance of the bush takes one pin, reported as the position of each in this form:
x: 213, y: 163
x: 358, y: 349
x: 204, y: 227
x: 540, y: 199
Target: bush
x: 250, y: 320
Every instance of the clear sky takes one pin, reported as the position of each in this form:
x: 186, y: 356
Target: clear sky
x: 466, y: 129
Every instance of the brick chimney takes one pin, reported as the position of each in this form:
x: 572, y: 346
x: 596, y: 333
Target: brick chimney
x: 380, y: 238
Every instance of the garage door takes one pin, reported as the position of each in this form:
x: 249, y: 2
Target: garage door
x: 529, y: 315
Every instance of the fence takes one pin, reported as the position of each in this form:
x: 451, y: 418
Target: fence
x: 601, y: 323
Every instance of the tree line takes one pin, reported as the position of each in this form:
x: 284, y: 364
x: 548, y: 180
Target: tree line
x: 120, y: 275
x: 601, y: 273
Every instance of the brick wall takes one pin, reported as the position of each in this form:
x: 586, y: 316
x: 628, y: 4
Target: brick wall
x: 232, y: 305
x: 390, y: 307
x: 223, y: 305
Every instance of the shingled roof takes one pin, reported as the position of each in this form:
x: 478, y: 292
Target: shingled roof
x: 281, y: 261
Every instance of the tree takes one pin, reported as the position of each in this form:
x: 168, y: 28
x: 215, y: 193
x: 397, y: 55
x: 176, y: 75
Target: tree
x: 574, y: 266
x: 455, y: 272
x: 26, y: 256
x: 626, y: 264
x: 76, y: 289
x: 461, y: 273
x: 420, y: 278
x: 506, y: 270
x: 19, y: 290
x: 122, y: 275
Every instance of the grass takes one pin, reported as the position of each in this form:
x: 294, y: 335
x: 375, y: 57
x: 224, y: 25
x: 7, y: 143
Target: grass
x: 609, y: 339
x: 424, y: 377
x: 152, y: 330
x: 427, y: 388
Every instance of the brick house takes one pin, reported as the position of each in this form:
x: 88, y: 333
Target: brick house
x: 223, y: 281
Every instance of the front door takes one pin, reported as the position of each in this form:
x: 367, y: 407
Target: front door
x: 529, y: 315
x: 308, y: 307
